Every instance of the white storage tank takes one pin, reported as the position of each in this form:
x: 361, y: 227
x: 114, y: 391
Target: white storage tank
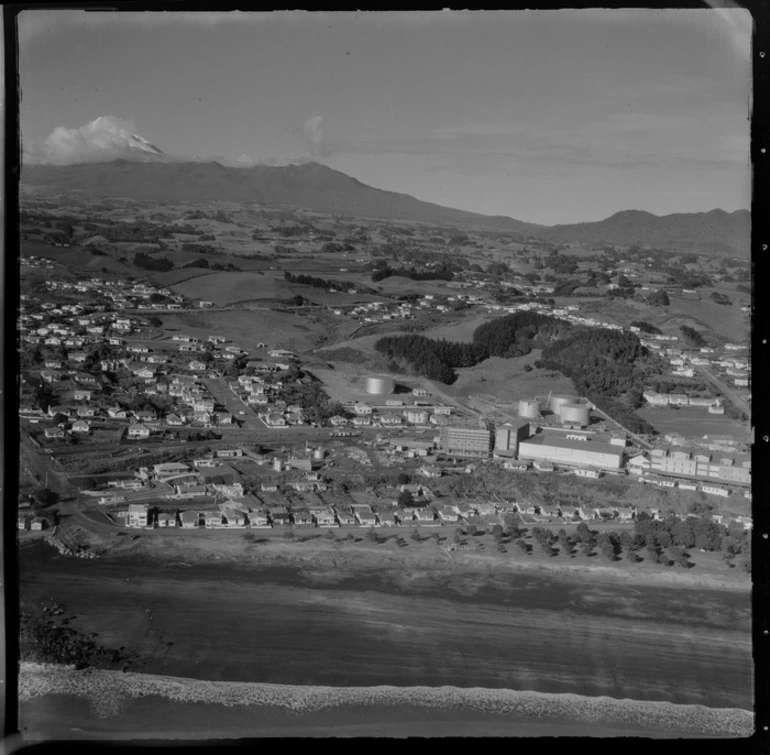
x: 574, y: 414
x: 277, y: 465
x: 318, y: 454
x: 529, y: 409
x: 556, y: 401
x: 379, y: 386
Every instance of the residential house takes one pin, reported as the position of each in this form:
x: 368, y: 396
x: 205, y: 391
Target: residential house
x: 138, y: 432
x: 257, y: 519
x: 137, y: 515
x: 424, y: 515
x: 234, y: 518
x: 364, y: 515
x: 280, y: 517
x: 174, y: 420
x: 81, y: 426
x: 166, y: 520
x: 323, y: 516
x: 54, y: 433
x: 117, y: 412
x: 85, y: 411
x: 81, y: 395
x: 302, y: 518
x: 189, y: 519
x: 190, y: 490
x: 229, y: 453
x: 268, y: 486
x: 38, y: 523
x: 170, y: 469
x: 345, y: 519
x: 447, y: 514
x: 213, y: 519
x: 430, y: 471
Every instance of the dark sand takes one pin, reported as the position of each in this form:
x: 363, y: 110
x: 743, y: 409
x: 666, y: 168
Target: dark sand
x: 432, y: 627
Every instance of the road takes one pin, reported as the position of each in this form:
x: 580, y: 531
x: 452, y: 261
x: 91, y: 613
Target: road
x: 220, y: 390
x: 725, y: 389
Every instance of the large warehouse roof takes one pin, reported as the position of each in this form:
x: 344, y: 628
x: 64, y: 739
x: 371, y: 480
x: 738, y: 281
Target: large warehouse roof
x: 576, y: 445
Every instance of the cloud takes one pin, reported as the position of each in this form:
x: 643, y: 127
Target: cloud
x: 42, y: 24
x: 314, y: 135
x: 105, y: 138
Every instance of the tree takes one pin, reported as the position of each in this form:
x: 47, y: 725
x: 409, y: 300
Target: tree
x: 330, y: 535
x: 659, y: 299
x: 415, y: 535
x: 405, y: 498
x: 472, y: 529
x: 402, y: 479
x: 497, y: 532
x: 522, y: 545
x: 45, y: 497
x: 632, y: 556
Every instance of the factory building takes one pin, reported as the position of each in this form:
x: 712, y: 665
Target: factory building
x: 702, y: 463
x: 466, y: 441
x: 508, y: 437
x: 571, y: 452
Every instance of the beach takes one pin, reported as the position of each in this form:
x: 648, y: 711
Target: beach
x: 145, y: 705
x: 398, y: 623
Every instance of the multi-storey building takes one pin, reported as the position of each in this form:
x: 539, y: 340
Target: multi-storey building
x: 466, y: 441
x: 701, y: 463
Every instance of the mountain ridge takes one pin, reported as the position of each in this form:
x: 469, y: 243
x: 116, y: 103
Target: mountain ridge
x: 320, y: 188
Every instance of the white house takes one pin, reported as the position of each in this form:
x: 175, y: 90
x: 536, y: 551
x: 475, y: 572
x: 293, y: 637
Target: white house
x: 138, y: 432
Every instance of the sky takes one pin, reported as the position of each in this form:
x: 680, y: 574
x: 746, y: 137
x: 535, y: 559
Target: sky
x: 545, y: 116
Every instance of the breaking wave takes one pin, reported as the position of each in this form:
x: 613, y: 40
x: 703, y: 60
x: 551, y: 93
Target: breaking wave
x: 110, y: 691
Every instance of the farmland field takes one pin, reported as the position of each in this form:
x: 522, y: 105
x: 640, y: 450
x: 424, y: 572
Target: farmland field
x: 461, y: 331
x: 693, y: 422
x: 726, y: 321
x: 247, y: 328
x: 507, y: 380
x: 228, y: 288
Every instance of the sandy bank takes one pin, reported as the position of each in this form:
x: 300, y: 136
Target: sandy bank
x: 365, y: 556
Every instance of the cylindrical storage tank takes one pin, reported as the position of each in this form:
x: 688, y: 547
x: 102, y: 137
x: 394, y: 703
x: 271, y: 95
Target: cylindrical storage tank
x: 529, y: 409
x: 379, y: 386
x: 574, y: 414
x: 277, y: 466
x: 318, y: 454
x: 556, y: 401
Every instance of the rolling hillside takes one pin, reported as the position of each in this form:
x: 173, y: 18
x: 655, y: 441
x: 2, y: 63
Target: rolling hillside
x: 317, y: 187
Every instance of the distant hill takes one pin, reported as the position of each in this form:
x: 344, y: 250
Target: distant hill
x: 317, y: 187
x: 706, y: 232
x: 309, y: 185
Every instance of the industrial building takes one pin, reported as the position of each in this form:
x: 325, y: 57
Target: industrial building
x: 508, y: 437
x: 571, y: 452
x: 574, y: 415
x: 702, y: 463
x: 379, y: 385
x: 466, y: 441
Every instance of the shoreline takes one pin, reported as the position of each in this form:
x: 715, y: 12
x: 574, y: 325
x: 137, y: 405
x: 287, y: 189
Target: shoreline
x: 111, y: 694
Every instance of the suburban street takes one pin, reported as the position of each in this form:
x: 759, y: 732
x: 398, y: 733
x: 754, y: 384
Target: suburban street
x: 725, y: 389
x: 221, y: 392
